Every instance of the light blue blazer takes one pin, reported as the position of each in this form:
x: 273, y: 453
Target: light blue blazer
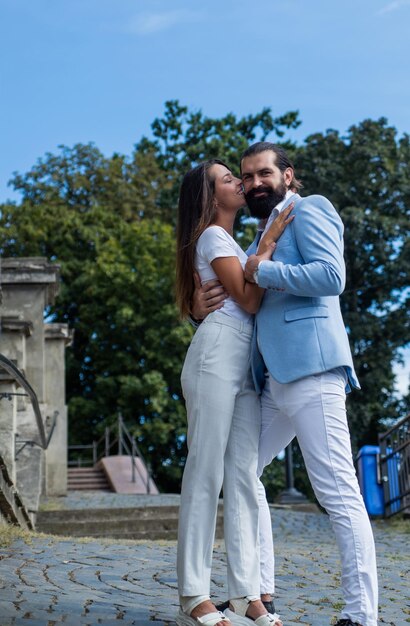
x: 299, y: 328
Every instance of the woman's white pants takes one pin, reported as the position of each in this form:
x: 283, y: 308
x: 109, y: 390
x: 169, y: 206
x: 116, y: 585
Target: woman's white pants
x: 223, y: 434
x: 313, y: 409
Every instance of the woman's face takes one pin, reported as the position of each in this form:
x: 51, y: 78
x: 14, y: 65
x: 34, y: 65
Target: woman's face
x: 228, y: 188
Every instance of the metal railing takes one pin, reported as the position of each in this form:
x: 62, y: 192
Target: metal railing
x: 15, y: 373
x: 395, y: 467
x: 117, y: 437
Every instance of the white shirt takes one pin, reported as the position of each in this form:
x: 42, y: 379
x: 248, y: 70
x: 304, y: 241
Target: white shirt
x: 278, y: 209
x: 215, y: 243
x: 274, y: 214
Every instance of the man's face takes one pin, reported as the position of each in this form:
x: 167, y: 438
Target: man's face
x: 264, y: 184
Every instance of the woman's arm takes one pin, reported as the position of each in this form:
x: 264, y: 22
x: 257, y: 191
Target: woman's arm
x: 230, y: 273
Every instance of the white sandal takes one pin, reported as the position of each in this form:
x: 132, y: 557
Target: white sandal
x: 238, y: 615
x: 188, y: 604
x: 210, y: 619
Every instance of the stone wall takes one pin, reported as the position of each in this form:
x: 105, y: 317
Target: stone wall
x: 28, y: 287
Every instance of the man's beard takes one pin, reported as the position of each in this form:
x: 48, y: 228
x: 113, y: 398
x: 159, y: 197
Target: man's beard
x: 262, y: 207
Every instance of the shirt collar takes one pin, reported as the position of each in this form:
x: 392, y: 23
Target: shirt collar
x: 279, y: 207
x: 275, y: 211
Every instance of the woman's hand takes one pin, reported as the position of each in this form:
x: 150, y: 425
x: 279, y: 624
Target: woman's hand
x: 254, y: 260
x: 277, y: 228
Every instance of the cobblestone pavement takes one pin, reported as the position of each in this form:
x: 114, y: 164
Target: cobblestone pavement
x: 46, y: 580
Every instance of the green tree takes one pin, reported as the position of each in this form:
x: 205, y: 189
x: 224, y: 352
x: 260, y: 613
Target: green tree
x: 366, y: 175
x: 136, y: 344
x: 88, y: 213
x: 109, y: 223
x: 183, y: 138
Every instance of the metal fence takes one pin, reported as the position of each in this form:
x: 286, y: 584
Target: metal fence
x: 395, y: 467
x: 43, y: 437
x: 116, y: 440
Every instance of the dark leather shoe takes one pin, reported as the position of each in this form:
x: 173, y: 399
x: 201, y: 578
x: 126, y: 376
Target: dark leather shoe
x: 269, y: 606
x: 347, y: 622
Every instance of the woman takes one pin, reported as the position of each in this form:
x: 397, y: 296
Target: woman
x: 222, y: 406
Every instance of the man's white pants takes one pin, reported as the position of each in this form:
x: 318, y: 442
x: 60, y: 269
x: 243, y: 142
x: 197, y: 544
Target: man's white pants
x: 223, y: 436
x: 313, y: 410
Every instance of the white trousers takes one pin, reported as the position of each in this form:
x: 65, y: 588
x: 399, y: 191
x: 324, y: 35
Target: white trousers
x: 313, y: 410
x: 223, y: 434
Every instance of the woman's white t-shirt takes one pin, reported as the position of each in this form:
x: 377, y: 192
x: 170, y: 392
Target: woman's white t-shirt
x: 215, y: 243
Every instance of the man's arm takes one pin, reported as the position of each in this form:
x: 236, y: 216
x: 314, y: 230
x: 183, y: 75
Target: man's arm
x: 207, y: 298
x: 319, y: 236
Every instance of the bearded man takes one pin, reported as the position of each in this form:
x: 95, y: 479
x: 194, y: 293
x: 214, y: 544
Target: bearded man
x: 302, y: 366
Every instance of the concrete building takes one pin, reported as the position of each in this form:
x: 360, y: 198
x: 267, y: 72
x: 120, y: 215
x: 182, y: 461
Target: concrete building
x: 33, y: 414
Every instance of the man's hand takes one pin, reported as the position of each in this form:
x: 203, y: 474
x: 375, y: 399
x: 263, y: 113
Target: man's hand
x: 207, y: 298
x: 254, y: 259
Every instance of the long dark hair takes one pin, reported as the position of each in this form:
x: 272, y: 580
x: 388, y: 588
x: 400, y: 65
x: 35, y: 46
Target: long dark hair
x: 196, y: 211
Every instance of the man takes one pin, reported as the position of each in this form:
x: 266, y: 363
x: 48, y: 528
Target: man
x: 301, y: 341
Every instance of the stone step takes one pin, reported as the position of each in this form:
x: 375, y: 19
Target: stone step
x: 88, y: 484
x: 137, y: 512
x: 81, y: 478
x: 136, y: 535
x: 87, y: 478
x: 74, y: 472
x: 83, y: 470
x: 151, y: 522
x: 108, y: 529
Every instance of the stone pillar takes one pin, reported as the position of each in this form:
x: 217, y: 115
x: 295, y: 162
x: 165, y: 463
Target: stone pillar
x: 13, y: 334
x: 8, y: 413
x: 29, y: 460
x: 29, y: 285
x: 57, y: 337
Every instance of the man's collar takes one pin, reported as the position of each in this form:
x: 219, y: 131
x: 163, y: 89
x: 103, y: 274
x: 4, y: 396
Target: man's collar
x: 279, y: 207
x: 275, y: 211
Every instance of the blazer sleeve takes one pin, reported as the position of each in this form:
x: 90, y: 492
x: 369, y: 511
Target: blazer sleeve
x: 318, y: 232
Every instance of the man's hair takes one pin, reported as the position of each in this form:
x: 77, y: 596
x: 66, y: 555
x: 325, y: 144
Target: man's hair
x: 281, y: 160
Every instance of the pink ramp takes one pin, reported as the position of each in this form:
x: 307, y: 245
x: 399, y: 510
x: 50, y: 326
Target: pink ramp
x: 119, y: 474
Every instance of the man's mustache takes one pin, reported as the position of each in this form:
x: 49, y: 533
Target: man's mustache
x: 252, y: 192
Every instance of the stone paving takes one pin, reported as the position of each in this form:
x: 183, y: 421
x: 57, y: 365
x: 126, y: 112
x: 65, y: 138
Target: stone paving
x: 46, y: 580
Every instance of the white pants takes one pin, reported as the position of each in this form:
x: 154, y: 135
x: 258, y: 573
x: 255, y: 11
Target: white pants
x: 223, y: 435
x: 313, y: 409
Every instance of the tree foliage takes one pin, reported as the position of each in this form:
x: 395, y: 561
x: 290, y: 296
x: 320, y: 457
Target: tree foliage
x: 366, y: 175
x: 109, y: 223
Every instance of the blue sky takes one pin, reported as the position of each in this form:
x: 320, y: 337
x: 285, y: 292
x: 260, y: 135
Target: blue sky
x: 100, y: 70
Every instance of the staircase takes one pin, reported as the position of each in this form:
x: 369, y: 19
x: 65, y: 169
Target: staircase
x: 87, y: 478
x: 116, y: 464
x: 143, y: 523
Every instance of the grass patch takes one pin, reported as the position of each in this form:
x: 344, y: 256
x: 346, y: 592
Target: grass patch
x: 52, y: 504
x: 10, y: 533
x: 398, y: 524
